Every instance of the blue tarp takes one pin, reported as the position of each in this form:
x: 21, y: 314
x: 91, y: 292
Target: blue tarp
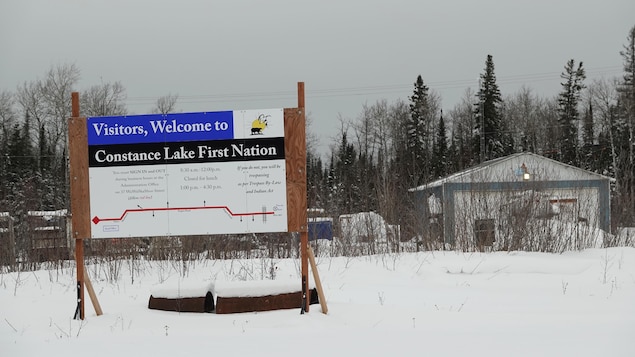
x: 321, y: 230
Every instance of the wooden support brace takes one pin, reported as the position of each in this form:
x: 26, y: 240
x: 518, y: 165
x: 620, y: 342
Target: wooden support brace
x: 91, y: 293
x: 318, y: 282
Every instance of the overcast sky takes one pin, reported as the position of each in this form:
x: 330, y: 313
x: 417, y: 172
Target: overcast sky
x: 231, y: 55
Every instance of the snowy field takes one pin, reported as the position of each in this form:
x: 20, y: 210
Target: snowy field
x: 414, y: 304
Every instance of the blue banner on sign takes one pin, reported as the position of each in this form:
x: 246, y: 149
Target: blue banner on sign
x: 157, y: 128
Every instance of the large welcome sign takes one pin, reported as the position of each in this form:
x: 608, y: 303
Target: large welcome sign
x: 187, y: 174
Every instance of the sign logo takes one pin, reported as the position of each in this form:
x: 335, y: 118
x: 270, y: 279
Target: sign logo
x: 259, y: 124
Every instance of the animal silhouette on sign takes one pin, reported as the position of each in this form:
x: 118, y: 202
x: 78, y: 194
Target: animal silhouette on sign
x: 259, y: 124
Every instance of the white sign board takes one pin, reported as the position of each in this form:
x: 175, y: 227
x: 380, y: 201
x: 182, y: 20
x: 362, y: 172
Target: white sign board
x: 187, y: 174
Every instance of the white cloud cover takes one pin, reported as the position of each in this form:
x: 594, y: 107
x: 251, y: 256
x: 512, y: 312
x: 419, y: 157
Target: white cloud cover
x: 230, y: 55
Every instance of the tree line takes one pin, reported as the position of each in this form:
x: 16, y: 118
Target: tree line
x: 387, y: 150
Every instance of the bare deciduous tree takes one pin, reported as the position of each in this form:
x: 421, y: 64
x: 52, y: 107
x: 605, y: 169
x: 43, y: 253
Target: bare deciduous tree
x: 104, y: 99
x: 520, y: 111
x: 602, y: 95
x: 7, y: 114
x: 47, y: 102
x: 166, y: 104
x: 461, y: 123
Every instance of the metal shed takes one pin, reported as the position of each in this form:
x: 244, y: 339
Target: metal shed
x: 49, y: 235
x: 506, y: 203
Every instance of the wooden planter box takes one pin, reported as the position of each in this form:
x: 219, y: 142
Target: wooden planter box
x: 231, y: 305
x: 183, y: 297
x: 266, y: 295
x: 191, y: 304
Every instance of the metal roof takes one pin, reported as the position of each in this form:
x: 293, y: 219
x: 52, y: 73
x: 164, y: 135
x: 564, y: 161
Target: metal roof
x: 455, y: 177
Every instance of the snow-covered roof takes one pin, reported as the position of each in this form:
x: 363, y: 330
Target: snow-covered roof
x: 536, y: 164
x: 47, y: 228
x: 57, y: 213
x: 320, y: 219
x: 5, y: 216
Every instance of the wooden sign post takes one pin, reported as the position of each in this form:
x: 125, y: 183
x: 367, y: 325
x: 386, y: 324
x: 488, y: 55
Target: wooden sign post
x: 304, y: 229
x: 295, y: 155
x: 80, y: 208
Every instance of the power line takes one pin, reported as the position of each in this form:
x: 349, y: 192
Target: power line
x: 368, y: 90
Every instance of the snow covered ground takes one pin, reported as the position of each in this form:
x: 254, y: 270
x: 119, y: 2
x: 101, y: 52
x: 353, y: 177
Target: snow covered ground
x: 438, y: 303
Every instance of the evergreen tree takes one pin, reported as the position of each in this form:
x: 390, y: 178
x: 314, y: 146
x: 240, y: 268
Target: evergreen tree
x: 489, y: 138
x: 626, y: 88
x: 588, y: 140
x: 626, y: 91
x: 21, y: 170
x: 7, y: 118
x: 440, y: 151
x: 21, y: 159
x: 568, y: 117
x: 624, y: 132
x: 344, y: 186
x: 316, y: 183
x: 417, y: 142
x: 588, y: 133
